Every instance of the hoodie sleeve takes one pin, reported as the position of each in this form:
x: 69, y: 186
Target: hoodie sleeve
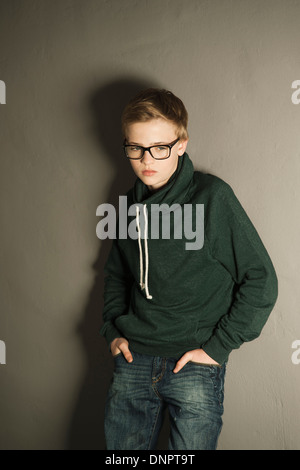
x: 235, y: 244
x: 117, y: 289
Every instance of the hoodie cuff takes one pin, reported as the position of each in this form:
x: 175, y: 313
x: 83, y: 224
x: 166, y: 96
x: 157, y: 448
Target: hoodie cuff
x: 214, y: 348
x: 110, y: 332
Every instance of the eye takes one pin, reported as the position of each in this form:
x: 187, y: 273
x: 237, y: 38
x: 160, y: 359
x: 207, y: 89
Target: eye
x: 134, y: 148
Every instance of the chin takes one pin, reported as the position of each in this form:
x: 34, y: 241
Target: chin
x: 149, y: 180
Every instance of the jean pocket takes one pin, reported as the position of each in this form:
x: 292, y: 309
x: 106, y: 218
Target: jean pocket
x: 117, y: 355
x: 204, y: 364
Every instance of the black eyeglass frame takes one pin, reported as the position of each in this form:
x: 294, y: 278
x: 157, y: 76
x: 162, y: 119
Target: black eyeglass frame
x: 170, y: 146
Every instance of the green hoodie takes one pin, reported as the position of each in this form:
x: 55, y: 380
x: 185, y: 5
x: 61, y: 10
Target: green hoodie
x: 166, y: 298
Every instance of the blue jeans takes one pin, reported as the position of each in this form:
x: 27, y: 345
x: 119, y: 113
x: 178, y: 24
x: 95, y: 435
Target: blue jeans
x: 141, y: 390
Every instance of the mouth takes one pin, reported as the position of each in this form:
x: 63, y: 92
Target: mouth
x: 149, y: 172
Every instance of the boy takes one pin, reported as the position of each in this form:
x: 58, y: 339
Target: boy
x: 174, y: 312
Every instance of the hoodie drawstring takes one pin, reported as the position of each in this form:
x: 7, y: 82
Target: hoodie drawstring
x: 143, y: 286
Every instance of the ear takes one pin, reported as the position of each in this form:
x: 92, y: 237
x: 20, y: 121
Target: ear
x: 182, y: 147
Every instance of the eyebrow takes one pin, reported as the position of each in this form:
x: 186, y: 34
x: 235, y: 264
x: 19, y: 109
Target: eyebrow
x: 153, y: 143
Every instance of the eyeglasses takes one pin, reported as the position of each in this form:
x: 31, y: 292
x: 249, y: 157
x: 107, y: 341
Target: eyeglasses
x: 159, y: 152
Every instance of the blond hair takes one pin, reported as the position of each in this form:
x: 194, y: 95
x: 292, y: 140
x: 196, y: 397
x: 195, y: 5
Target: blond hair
x: 154, y: 103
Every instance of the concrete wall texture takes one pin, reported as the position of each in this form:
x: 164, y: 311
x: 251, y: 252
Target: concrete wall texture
x: 68, y: 67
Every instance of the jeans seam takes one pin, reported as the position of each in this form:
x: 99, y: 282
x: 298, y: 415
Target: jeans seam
x: 154, y: 425
x: 218, y: 391
x: 155, y: 380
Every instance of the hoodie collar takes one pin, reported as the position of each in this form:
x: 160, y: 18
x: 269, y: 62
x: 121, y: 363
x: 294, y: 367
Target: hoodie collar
x: 174, y: 191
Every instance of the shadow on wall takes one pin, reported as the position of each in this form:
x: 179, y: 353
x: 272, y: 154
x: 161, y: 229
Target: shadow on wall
x: 86, y: 431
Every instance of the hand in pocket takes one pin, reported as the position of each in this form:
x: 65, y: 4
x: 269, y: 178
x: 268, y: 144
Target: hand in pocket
x: 121, y: 345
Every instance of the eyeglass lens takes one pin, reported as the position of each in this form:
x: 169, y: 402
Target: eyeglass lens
x: 159, y: 151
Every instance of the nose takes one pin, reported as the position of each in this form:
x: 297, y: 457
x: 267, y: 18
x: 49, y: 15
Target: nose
x: 147, y: 158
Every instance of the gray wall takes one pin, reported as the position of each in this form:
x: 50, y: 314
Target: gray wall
x: 69, y: 66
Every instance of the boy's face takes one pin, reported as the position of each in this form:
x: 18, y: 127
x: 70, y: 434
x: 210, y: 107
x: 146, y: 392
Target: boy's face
x: 155, y: 173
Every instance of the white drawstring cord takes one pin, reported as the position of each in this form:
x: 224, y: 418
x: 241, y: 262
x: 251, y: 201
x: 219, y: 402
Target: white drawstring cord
x: 146, y: 252
x: 142, y: 285
x: 140, y: 246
